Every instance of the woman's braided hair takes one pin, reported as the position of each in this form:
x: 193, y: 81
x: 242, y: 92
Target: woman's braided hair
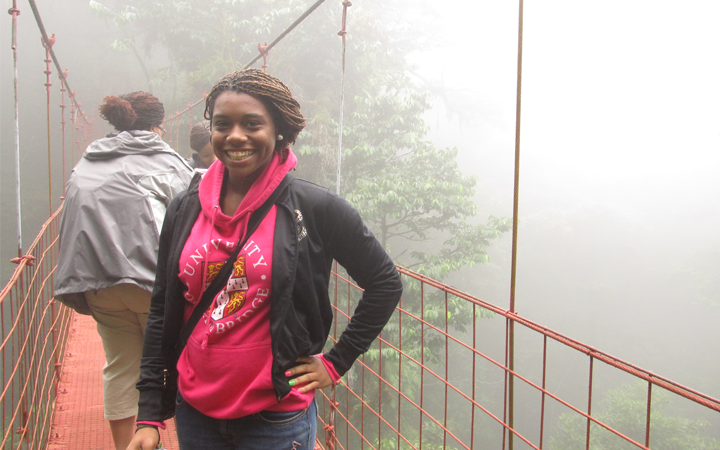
x: 134, y: 111
x: 276, y: 97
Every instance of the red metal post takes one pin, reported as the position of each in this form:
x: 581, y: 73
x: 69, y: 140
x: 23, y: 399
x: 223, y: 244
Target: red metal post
x: 474, y: 365
x: 447, y: 373
x: 506, y: 380
x: 48, y: 44
x: 191, y: 125
x: 77, y: 128
x: 81, y: 128
x: 542, y: 404
x: 72, y: 132
x: 63, y: 76
x: 589, y: 409
x: 400, y: 359
x: 347, y: 397
x: 330, y: 437
x: 422, y: 360
x: 647, y: 418
x: 380, y: 389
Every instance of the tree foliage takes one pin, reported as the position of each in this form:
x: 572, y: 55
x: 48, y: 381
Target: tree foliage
x: 625, y: 410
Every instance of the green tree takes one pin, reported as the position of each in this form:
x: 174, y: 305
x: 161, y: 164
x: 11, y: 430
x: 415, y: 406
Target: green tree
x: 625, y: 410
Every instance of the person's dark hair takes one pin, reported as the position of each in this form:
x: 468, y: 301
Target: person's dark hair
x: 134, y: 111
x: 199, y: 136
x: 276, y: 97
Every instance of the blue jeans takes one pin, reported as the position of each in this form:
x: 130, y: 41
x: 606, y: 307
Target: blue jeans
x: 266, y: 430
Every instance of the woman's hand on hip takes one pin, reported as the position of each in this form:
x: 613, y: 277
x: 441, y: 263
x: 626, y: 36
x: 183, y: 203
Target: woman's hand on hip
x: 145, y: 439
x: 312, y: 374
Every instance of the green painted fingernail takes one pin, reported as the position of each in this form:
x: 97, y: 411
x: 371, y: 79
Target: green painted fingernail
x: 292, y: 382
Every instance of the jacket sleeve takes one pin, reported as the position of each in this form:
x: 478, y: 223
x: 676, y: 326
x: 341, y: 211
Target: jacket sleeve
x: 354, y: 247
x: 152, y: 363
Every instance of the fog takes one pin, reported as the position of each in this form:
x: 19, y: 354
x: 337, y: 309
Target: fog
x: 619, y: 235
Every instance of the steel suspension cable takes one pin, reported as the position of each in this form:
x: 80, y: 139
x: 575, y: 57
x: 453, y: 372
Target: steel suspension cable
x: 331, y: 436
x: 14, y: 12
x: 513, y: 270
x: 342, y: 33
x: 264, y: 51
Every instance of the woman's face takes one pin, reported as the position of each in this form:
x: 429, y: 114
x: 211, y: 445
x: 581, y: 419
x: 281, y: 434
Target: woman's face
x: 207, y: 155
x: 242, y: 135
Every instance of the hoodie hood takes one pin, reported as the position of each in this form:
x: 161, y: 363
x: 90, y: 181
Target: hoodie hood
x: 211, y: 186
x: 132, y: 142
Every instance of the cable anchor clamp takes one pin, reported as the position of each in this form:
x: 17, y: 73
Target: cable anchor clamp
x: 28, y: 258
x: 263, y: 49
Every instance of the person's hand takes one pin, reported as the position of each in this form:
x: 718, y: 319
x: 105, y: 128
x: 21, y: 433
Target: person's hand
x: 314, y: 375
x: 145, y: 439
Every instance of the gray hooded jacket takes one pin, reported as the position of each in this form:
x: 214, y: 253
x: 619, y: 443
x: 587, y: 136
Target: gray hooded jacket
x: 115, y: 202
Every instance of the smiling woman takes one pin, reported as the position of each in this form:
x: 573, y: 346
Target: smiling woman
x: 248, y: 250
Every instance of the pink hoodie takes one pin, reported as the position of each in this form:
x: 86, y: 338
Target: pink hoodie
x: 224, y: 371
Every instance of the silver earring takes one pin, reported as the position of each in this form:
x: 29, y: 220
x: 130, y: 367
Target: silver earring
x: 279, y: 137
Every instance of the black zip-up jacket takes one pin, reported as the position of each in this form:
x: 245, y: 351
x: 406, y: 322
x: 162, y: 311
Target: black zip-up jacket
x: 313, y: 227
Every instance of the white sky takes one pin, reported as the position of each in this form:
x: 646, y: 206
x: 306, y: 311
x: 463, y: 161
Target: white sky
x: 620, y: 123
x: 618, y: 96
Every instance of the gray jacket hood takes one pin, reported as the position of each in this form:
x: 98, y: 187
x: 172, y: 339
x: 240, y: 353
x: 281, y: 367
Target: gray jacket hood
x: 133, y: 142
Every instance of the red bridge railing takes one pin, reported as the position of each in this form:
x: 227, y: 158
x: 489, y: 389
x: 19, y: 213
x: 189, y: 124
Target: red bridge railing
x: 437, y: 378
x: 34, y: 333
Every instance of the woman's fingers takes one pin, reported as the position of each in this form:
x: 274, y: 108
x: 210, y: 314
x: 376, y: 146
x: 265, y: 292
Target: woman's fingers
x: 145, y: 439
x: 312, y: 374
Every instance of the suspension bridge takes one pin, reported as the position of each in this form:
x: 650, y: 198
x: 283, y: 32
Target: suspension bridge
x: 427, y: 382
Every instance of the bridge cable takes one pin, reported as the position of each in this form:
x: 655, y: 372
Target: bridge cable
x: 14, y: 12
x: 266, y: 49
x: 342, y: 33
x: 513, y: 273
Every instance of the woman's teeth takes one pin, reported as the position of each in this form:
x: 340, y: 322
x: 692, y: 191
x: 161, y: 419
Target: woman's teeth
x: 238, y: 155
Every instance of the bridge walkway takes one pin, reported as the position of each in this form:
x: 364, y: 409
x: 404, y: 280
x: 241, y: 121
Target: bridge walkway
x: 78, y: 421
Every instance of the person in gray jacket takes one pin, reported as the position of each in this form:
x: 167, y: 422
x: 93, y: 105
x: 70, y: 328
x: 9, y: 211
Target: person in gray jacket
x: 115, y: 203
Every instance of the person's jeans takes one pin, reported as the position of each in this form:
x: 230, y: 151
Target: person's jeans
x: 266, y: 430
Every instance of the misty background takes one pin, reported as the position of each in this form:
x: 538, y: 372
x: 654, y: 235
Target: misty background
x: 619, y: 235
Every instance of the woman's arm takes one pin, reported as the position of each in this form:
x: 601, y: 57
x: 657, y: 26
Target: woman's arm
x: 354, y: 247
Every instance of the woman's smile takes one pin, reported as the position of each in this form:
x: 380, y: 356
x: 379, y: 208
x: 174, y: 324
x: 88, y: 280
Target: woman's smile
x: 239, y: 155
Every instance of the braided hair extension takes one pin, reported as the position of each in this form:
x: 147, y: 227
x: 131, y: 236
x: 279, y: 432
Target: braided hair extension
x: 134, y: 111
x: 199, y: 136
x: 274, y: 94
